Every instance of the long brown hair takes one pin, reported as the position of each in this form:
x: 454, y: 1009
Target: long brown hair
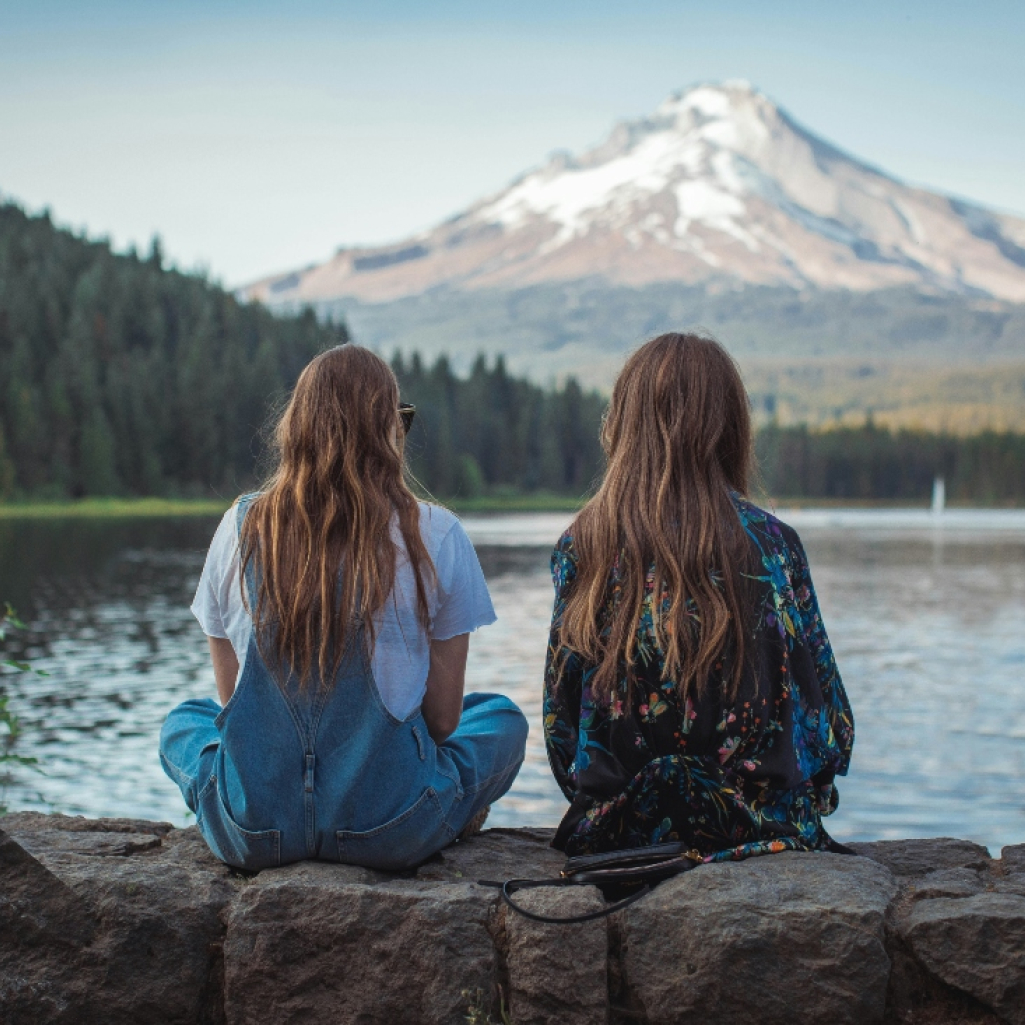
x: 319, y: 533
x: 677, y: 435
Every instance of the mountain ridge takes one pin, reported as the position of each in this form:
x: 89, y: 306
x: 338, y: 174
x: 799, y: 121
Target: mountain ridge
x: 718, y: 187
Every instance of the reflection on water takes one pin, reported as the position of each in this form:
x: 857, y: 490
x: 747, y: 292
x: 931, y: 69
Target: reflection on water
x: 927, y: 617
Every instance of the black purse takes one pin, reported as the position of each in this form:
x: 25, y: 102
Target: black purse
x: 633, y: 873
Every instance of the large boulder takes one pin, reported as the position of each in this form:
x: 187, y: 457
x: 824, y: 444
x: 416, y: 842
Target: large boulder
x: 317, y: 942
x: 914, y: 858
x: 329, y: 943
x: 558, y: 974
x: 975, y: 944
x: 44, y: 924
x: 776, y: 939
x: 131, y: 929
x: 1013, y: 859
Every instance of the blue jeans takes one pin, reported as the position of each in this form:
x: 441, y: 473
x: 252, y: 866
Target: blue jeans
x: 376, y: 791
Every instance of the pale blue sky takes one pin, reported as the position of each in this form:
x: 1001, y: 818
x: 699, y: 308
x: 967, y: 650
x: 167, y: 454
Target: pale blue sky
x: 255, y: 137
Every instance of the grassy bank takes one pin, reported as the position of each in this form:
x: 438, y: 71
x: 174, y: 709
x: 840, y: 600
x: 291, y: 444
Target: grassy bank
x: 112, y: 508
x: 797, y: 502
x: 141, y: 508
x: 135, y: 508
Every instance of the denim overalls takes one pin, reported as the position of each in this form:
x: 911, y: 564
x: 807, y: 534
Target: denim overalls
x: 281, y: 775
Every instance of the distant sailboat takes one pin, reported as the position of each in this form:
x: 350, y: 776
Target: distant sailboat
x: 939, y: 495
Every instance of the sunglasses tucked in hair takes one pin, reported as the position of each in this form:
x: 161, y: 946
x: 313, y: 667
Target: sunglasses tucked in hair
x: 406, y: 413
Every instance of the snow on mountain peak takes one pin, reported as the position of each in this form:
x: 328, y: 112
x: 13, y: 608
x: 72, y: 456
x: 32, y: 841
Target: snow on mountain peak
x: 717, y: 182
x: 710, y: 99
x: 686, y: 149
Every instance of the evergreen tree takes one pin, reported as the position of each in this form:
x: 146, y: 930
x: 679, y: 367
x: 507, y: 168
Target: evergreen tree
x: 120, y: 376
x: 6, y: 469
x: 96, y: 458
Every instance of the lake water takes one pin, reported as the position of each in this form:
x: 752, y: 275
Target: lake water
x: 926, y: 615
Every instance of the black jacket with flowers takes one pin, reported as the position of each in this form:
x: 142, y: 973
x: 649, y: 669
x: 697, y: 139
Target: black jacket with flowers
x: 730, y: 778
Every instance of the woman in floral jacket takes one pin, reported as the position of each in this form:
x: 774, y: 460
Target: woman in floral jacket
x: 690, y: 689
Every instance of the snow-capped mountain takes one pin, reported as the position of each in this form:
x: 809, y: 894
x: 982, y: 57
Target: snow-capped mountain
x: 718, y: 185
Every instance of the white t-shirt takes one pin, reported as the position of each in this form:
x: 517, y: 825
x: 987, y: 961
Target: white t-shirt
x: 458, y: 603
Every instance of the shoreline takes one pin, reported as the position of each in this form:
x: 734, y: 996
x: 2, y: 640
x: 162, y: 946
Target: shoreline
x: 144, y: 508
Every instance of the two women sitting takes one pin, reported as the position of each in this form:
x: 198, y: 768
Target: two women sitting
x: 690, y: 689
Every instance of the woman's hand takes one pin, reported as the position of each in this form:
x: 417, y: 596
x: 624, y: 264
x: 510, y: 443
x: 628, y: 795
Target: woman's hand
x: 443, y: 702
x: 222, y: 654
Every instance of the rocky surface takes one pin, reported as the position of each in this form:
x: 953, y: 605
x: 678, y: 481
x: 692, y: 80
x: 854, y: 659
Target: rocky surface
x: 111, y: 921
x: 917, y: 858
x: 775, y: 939
x: 989, y: 925
x: 558, y: 975
x: 146, y: 904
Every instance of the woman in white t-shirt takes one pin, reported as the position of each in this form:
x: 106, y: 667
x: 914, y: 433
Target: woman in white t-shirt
x: 338, y: 611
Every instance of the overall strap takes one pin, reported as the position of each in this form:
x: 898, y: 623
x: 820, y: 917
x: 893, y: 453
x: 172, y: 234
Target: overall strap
x: 241, y: 508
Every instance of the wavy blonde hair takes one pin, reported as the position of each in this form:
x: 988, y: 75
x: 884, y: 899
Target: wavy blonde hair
x: 677, y: 436
x: 320, y: 532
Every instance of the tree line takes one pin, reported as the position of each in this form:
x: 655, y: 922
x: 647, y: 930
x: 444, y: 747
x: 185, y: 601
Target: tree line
x: 872, y: 462
x: 491, y: 433
x: 119, y: 376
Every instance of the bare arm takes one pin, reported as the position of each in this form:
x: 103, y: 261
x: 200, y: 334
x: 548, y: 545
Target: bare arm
x: 443, y: 702
x: 222, y: 654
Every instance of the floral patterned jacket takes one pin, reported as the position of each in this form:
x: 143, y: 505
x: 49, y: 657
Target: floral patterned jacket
x: 730, y: 778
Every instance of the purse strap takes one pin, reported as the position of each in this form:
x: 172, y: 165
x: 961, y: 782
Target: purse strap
x: 603, y: 870
x: 636, y: 866
x: 511, y: 886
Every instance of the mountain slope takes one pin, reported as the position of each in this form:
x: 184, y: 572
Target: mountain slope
x: 942, y: 362
x: 717, y: 188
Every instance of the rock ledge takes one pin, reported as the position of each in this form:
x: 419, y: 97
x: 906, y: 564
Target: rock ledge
x: 123, y: 921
